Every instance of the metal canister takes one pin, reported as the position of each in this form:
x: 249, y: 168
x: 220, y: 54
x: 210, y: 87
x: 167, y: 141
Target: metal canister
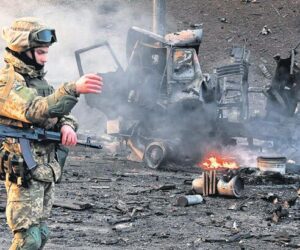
x: 271, y: 164
x: 198, y: 184
x: 189, y: 200
x: 233, y: 188
x: 206, y: 184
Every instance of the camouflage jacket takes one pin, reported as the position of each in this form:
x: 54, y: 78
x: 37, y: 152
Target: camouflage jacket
x: 24, y: 105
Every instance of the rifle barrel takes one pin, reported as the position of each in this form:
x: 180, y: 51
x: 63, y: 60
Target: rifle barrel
x: 89, y: 145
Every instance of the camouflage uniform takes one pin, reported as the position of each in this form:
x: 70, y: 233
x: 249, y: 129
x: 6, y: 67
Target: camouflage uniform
x: 28, y: 102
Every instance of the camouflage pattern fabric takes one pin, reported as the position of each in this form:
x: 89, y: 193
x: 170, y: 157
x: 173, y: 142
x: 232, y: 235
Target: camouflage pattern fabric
x: 28, y: 206
x: 31, y: 206
x: 23, y: 103
x: 18, y: 34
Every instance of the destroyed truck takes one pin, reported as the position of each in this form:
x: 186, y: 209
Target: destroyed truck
x: 166, y: 109
x: 162, y: 104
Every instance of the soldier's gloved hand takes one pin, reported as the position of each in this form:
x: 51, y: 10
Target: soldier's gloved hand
x: 68, y: 136
x: 89, y: 83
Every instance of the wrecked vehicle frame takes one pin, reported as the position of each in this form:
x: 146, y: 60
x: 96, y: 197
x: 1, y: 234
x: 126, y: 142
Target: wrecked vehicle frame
x: 166, y: 109
x: 163, y: 79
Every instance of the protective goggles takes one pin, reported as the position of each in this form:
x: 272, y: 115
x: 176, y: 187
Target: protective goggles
x: 44, y: 36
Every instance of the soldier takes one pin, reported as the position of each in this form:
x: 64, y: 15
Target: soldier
x: 26, y: 99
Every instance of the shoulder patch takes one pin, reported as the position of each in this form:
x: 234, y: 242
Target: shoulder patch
x: 25, y: 93
x: 18, y: 87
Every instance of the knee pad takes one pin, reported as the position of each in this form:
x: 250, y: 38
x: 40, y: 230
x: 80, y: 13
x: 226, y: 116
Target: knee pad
x: 31, y: 239
x: 45, y: 233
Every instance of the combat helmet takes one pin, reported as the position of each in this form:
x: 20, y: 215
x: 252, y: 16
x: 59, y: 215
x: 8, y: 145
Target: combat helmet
x: 28, y: 33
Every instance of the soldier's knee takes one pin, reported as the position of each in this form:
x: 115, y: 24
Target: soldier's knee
x: 28, y: 240
x: 45, y: 232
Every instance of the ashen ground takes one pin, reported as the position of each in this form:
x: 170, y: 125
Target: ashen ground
x: 134, y: 207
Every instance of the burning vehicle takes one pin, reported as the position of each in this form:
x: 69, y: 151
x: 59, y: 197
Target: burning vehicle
x: 168, y: 110
x: 162, y: 104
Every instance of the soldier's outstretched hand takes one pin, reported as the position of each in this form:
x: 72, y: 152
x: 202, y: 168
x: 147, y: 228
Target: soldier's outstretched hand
x: 89, y: 83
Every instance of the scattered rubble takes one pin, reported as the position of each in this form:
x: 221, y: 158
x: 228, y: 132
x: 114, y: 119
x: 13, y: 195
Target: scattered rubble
x: 140, y: 209
x: 265, y: 30
x: 189, y: 200
x: 250, y: 1
x: 73, y: 205
x: 223, y: 20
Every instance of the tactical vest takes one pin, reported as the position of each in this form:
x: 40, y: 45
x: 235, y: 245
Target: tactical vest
x: 40, y: 84
x: 44, y: 89
x: 11, y: 165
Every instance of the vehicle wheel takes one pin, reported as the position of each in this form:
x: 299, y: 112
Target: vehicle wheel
x: 155, y: 154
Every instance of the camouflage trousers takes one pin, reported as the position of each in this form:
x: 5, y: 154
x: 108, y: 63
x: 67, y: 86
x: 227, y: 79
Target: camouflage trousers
x: 28, y: 206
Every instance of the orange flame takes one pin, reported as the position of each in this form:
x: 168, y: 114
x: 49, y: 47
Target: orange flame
x: 218, y: 162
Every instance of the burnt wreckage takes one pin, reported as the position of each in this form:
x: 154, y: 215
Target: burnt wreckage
x: 167, y: 109
x: 284, y: 92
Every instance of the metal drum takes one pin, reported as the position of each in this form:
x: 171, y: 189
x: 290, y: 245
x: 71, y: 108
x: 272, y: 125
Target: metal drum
x: 271, y: 164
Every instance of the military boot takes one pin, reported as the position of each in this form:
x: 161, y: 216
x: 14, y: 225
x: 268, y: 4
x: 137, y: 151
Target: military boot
x: 45, y: 232
x: 27, y: 240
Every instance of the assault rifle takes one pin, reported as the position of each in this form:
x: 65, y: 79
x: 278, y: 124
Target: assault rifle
x: 35, y: 134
